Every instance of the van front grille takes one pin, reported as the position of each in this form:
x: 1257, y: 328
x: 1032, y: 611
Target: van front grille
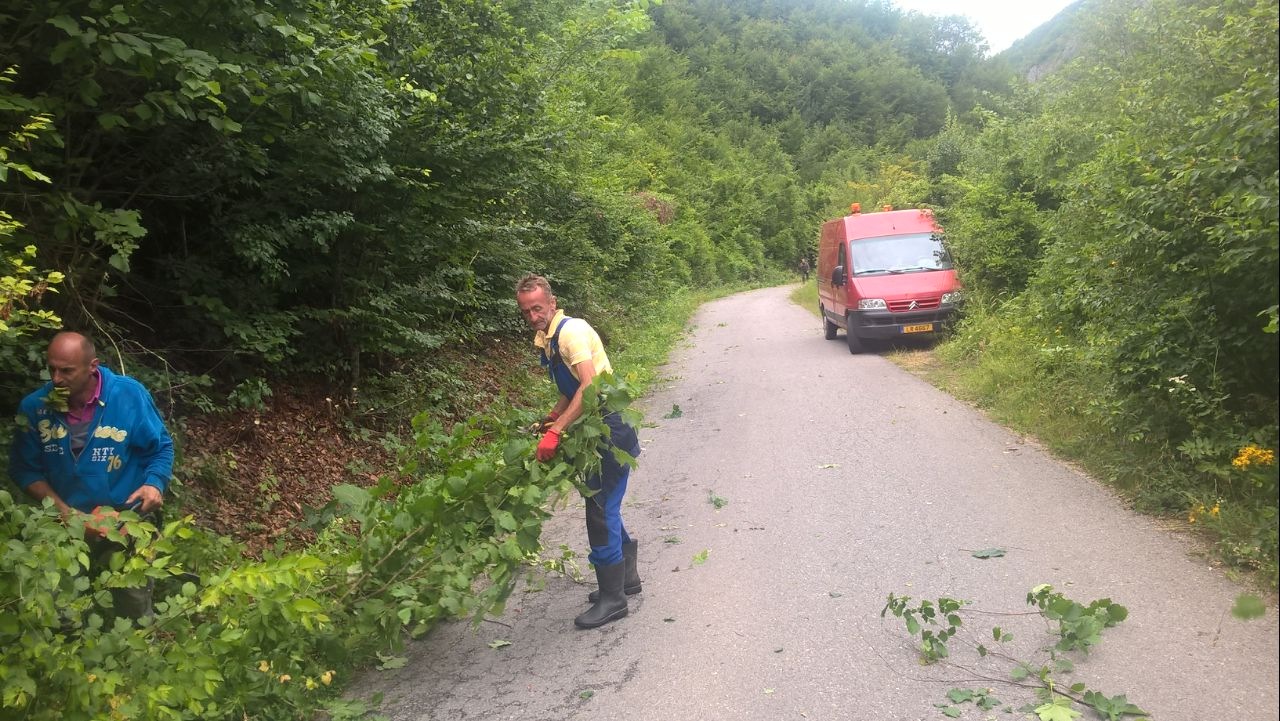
x: 903, y: 306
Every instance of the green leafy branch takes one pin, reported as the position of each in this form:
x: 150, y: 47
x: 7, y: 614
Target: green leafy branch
x: 235, y: 638
x: 933, y: 644
x: 1078, y: 627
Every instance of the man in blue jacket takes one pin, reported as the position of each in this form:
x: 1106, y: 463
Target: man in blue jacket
x: 91, y: 439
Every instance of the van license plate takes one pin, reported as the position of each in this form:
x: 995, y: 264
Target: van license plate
x: 921, y: 328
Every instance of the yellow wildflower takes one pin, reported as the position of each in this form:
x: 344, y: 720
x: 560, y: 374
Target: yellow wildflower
x: 311, y: 683
x: 326, y: 678
x: 1214, y: 511
x: 285, y: 678
x: 1252, y: 455
x: 93, y: 677
x: 263, y: 666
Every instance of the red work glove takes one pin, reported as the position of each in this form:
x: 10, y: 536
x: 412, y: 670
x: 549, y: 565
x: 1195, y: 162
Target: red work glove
x: 547, y: 446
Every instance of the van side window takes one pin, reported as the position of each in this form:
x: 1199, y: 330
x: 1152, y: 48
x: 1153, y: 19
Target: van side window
x: 840, y: 256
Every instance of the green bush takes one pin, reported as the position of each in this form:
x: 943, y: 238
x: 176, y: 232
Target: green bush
x: 263, y: 639
x: 1122, y: 235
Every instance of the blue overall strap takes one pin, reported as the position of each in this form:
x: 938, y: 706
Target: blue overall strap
x: 555, y: 365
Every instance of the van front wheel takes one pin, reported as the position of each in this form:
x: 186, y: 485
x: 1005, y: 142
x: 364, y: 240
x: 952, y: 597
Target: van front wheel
x: 828, y: 328
x: 855, y: 343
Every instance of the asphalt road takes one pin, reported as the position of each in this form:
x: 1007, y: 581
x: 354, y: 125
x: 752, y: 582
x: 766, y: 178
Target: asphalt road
x: 843, y: 479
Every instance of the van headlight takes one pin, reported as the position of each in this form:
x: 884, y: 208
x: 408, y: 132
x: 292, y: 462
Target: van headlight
x: 952, y: 298
x: 872, y: 304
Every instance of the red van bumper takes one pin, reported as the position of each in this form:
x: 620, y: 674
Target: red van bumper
x: 887, y: 324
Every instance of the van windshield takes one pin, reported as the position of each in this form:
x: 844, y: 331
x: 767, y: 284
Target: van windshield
x: 911, y: 253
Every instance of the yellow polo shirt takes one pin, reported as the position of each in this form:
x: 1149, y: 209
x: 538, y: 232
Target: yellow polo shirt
x: 578, y: 341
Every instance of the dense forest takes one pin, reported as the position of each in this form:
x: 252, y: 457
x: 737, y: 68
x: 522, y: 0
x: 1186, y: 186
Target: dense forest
x: 239, y: 199
x: 331, y: 193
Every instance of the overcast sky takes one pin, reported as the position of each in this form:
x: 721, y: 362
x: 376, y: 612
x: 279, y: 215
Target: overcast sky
x: 1000, y: 21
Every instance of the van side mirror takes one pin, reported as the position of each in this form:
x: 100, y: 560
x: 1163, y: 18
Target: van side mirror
x: 837, y: 275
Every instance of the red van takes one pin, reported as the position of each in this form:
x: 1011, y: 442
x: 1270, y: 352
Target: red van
x: 884, y: 275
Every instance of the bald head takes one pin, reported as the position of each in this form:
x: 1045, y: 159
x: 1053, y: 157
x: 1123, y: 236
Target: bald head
x: 71, y: 342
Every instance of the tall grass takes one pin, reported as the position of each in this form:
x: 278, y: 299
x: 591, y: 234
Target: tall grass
x: 806, y: 296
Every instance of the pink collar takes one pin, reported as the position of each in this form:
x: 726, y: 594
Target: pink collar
x: 85, y: 414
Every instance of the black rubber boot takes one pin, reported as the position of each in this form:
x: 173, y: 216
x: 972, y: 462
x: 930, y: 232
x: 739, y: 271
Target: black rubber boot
x: 612, y: 604
x: 631, y: 581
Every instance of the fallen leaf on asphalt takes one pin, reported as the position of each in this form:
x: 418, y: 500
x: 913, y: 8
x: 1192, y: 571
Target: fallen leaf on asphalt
x: 498, y: 643
x: 829, y: 465
x: 989, y: 553
x: 390, y: 662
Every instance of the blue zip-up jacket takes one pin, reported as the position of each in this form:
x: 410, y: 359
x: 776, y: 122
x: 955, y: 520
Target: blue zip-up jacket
x: 128, y: 446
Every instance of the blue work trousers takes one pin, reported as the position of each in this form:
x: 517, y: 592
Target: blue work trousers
x: 605, y: 530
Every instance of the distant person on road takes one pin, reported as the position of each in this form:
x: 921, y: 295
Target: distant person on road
x: 92, y: 440
x: 571, y: 351
x: 804, y: 270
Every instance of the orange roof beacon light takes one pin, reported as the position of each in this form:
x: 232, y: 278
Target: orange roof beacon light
x: 855, y: 208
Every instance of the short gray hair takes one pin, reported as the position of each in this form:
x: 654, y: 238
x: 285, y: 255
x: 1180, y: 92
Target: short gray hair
x: 531, y: 282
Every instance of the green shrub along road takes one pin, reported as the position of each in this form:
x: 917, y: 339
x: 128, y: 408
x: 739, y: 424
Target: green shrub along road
x: 444, y: 535
x: 1121, y: 251
x: 234, y: 638
x: 341, y: 198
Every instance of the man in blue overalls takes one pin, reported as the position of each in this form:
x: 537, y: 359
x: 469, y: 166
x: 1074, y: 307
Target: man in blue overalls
x: 573, y: 355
